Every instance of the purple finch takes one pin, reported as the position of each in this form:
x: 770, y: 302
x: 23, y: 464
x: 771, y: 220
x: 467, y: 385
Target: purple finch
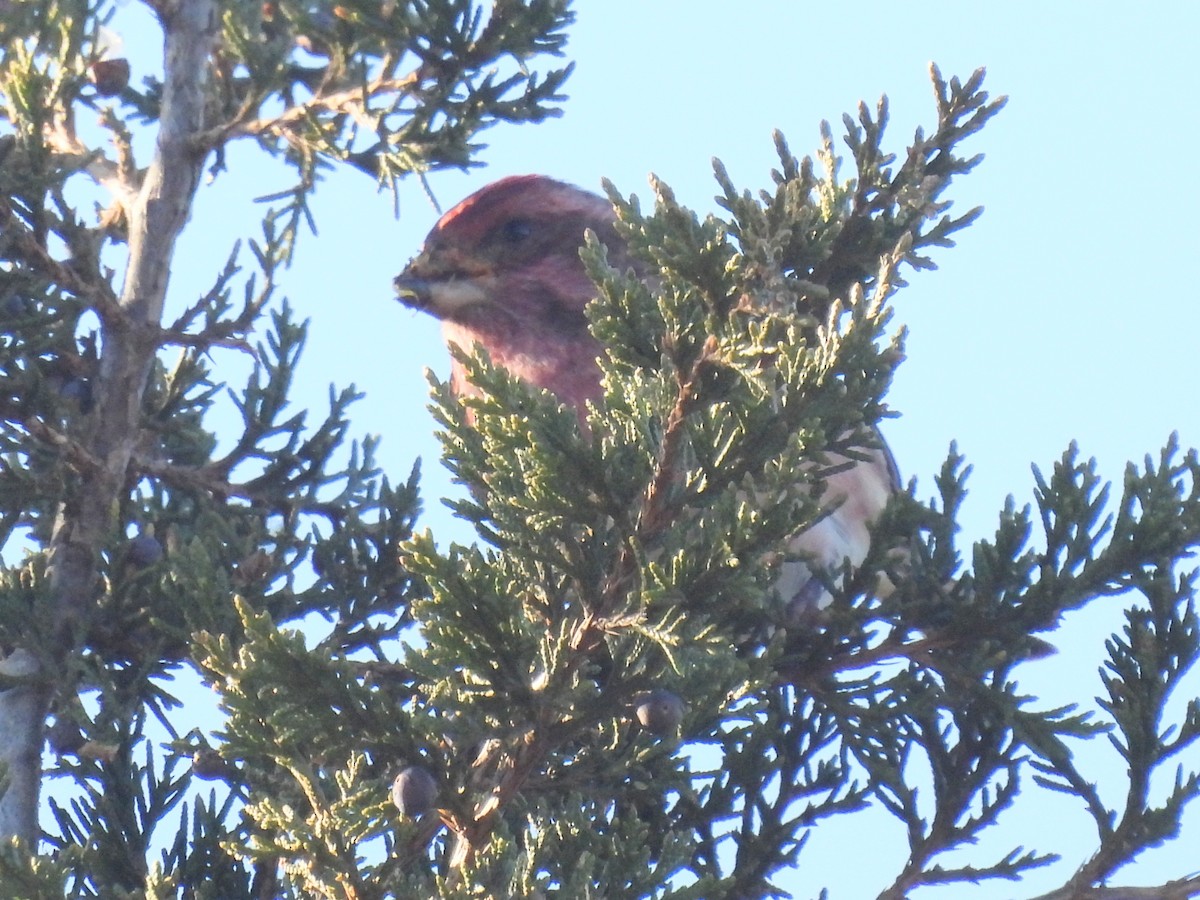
x: 502, y: 271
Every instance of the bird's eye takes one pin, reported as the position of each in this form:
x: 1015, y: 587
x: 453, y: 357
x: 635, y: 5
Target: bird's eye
x: 516, y: 230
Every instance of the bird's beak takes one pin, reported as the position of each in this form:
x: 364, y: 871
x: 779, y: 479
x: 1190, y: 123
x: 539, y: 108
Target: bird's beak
x: 425, y: 286
x: 412, y: 290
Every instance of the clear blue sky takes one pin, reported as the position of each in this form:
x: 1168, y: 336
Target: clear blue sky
x: 1067, y: 312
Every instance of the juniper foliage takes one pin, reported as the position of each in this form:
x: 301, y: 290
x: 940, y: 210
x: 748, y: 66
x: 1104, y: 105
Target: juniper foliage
x: 630, y: 565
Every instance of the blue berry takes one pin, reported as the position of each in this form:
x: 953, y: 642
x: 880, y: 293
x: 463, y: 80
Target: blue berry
x: 414, y: 791
x: 145, y: 550
x: 660, y: 711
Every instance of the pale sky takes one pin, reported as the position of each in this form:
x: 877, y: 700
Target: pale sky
x: 1066, y: 312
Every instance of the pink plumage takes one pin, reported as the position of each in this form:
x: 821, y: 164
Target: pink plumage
x: 502, y: 270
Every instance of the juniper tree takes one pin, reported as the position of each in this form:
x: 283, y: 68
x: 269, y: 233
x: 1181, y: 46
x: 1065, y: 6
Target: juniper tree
x: 603, y: 696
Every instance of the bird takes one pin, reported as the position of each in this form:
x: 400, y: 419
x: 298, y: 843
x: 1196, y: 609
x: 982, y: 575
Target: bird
x: 502, y: 271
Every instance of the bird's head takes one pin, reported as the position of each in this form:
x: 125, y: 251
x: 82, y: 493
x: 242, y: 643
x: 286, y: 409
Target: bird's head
x: 502, y: 270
